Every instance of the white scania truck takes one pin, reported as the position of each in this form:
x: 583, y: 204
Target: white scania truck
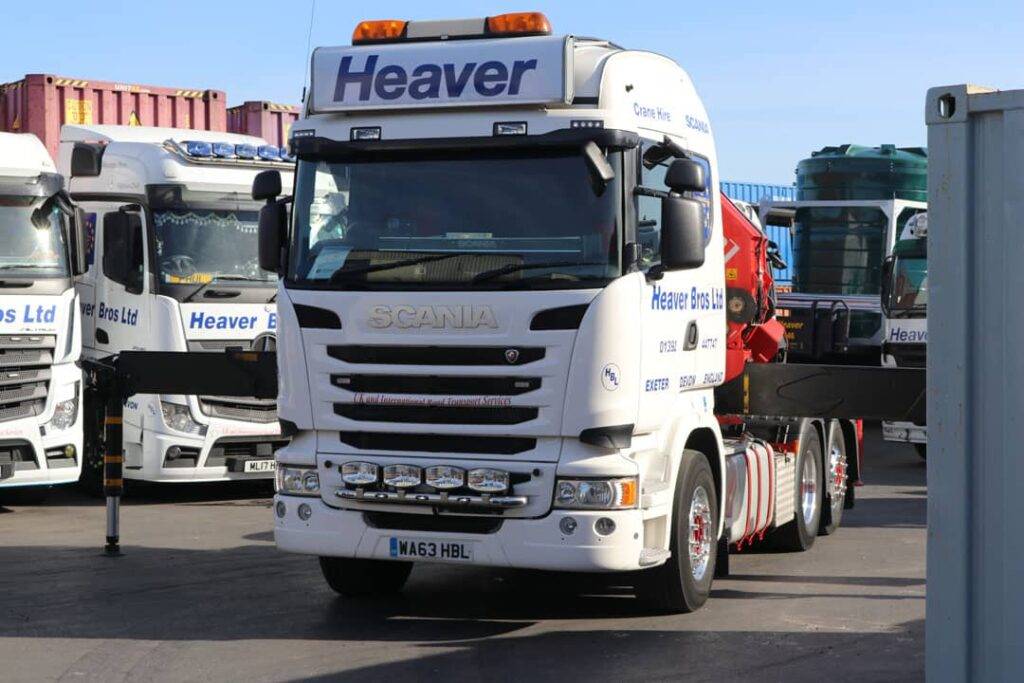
x: 905, y: 305
x: 41, y: 250
x: 502, y: 346
x: 173, y: 267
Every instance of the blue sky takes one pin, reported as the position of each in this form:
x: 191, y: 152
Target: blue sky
x: 779, y: 79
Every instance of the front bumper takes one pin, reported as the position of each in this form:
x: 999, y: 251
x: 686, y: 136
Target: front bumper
x: 522, y: 543
x: 904, y: 432
x: 210, y: 464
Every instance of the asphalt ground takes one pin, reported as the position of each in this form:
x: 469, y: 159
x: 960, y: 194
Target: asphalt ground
x: 201, y: 593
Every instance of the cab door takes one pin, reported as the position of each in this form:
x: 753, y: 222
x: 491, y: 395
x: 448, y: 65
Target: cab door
x: 122, y: 287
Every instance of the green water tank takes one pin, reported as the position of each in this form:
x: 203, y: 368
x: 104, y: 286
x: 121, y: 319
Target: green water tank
x: 858, y: 172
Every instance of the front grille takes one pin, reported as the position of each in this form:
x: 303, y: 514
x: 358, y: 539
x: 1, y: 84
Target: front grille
x: 501, y: 415
x: 437, y: 384
x: 18, y: 454
x: 260, y: 411
x: 437, y: 443
x: 25, y: 372
x: 437, y: 355
x: 445, y: 524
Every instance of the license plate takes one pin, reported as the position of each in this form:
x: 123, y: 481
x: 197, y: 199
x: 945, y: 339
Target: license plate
x: 260, y: 466
x: 419, y: 549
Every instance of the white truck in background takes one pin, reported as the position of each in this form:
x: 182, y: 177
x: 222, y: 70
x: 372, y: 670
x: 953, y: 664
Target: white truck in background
x: 41, y: 250
x: 905, y: 307
x: 174, y: 268
x: 503, y: 347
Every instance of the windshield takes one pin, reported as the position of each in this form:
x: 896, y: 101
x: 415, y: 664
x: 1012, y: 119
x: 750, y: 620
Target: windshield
x: 478, y: 219
x: 30, y: 247
x: 195, y: 245
x: 910, y: 285
x: 838, y: 249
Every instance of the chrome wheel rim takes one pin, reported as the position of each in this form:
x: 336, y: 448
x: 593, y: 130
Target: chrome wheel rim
x: 837, y: 476
x: 700, y: 533
x: 809, y: 487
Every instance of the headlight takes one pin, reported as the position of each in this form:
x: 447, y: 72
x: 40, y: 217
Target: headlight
x: 178, y: 418
x: 64, y: 414
x: 359, y: 473
x: 597, y: 494
x: 402, y: 476
x: 486, y: 480
x: 298, y: 481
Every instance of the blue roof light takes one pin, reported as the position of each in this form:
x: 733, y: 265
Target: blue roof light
x: 269, y: 153
x: 245, y: 151
x: 197, y: 148
x: 287, y: 155
x: 224, y: 150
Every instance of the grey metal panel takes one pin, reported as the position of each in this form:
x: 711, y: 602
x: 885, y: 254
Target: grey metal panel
x: 975, y: 623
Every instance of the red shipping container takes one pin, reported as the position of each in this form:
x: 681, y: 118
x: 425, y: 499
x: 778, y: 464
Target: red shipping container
x: 42, y: 103
x: 266, y: 120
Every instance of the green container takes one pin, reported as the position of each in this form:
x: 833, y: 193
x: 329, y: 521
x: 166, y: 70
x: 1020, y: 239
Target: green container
x: 857, y: 172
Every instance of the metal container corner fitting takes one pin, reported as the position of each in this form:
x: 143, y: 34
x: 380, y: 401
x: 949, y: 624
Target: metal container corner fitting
x: 42, y: 103
x: 861, y: 172
x: 267, y: 120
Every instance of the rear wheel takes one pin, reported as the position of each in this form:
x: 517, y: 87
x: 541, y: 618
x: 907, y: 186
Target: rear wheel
x: 353, y: 577
x: 836, y: 470
x: 683, y: 583
x: 799, y: 534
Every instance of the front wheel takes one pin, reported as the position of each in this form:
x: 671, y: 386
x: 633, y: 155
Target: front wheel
x: 799, y: 534
x: 354, y: 578
x: 683, y: 583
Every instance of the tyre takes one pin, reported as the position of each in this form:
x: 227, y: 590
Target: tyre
x: 799, y: 534
x: 835, y: 478
x: 353, y: 577
x: 683, y: 583
x: 922, y: 450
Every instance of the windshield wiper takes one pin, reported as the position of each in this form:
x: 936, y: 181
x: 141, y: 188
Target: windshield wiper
x: 516, y: 267
x: 343, y: 273
x: 221, y: 278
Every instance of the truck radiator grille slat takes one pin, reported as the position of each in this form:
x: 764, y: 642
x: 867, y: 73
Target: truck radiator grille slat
x: 503, y: 415
x: 437, y: 384
x: 18, y: 453
x: 446, y: 524
x: 437, y: 443
x: 244, y: 409
x: 437, y: 355
x: 25, y: 372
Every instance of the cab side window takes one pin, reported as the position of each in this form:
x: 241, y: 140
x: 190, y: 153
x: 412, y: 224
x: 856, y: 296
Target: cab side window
x: 648, y: 216
x: 115, y: 248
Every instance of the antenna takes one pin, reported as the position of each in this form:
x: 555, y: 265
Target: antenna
x: 309, y: 40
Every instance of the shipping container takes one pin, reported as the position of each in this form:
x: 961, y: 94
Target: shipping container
x: 42, y: 103
x: 266, y: 120
x: 754, y: 193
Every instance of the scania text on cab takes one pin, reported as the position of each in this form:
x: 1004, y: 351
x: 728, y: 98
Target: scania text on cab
x: 41, y: 250
x: 174, y: 268
x: 502, y: 304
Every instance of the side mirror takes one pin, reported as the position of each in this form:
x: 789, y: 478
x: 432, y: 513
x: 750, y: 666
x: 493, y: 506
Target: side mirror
x: 682, y: 233
x: 122, y: 249
x: 273, y: 228
x: 685, y: 175
x: 266, y: 185
x: 601, y: 172
x: 888, y: 265
x: 79, y: 243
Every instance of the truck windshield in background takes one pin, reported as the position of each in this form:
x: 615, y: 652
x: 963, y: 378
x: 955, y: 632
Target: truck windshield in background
x: 908, y: 291
x: 838, y: 249
x: 32, y: 237
x: 203, y: 236
x: 508, y: 219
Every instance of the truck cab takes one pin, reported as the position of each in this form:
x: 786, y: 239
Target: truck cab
x: 173, y: 267
x: 905, y: 305
x: 41, y: 251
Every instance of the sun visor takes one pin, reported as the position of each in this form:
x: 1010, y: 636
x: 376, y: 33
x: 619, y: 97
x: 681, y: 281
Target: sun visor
x: 458, y: 73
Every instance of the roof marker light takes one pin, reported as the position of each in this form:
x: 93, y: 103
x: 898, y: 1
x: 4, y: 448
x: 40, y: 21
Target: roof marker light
x: 245, y: 151
x: 269, y: 152
x: 586, y: 123
x: 224, y: 150
x: 198, y: 148
x: 519, y: 23
x: 379, y: 30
